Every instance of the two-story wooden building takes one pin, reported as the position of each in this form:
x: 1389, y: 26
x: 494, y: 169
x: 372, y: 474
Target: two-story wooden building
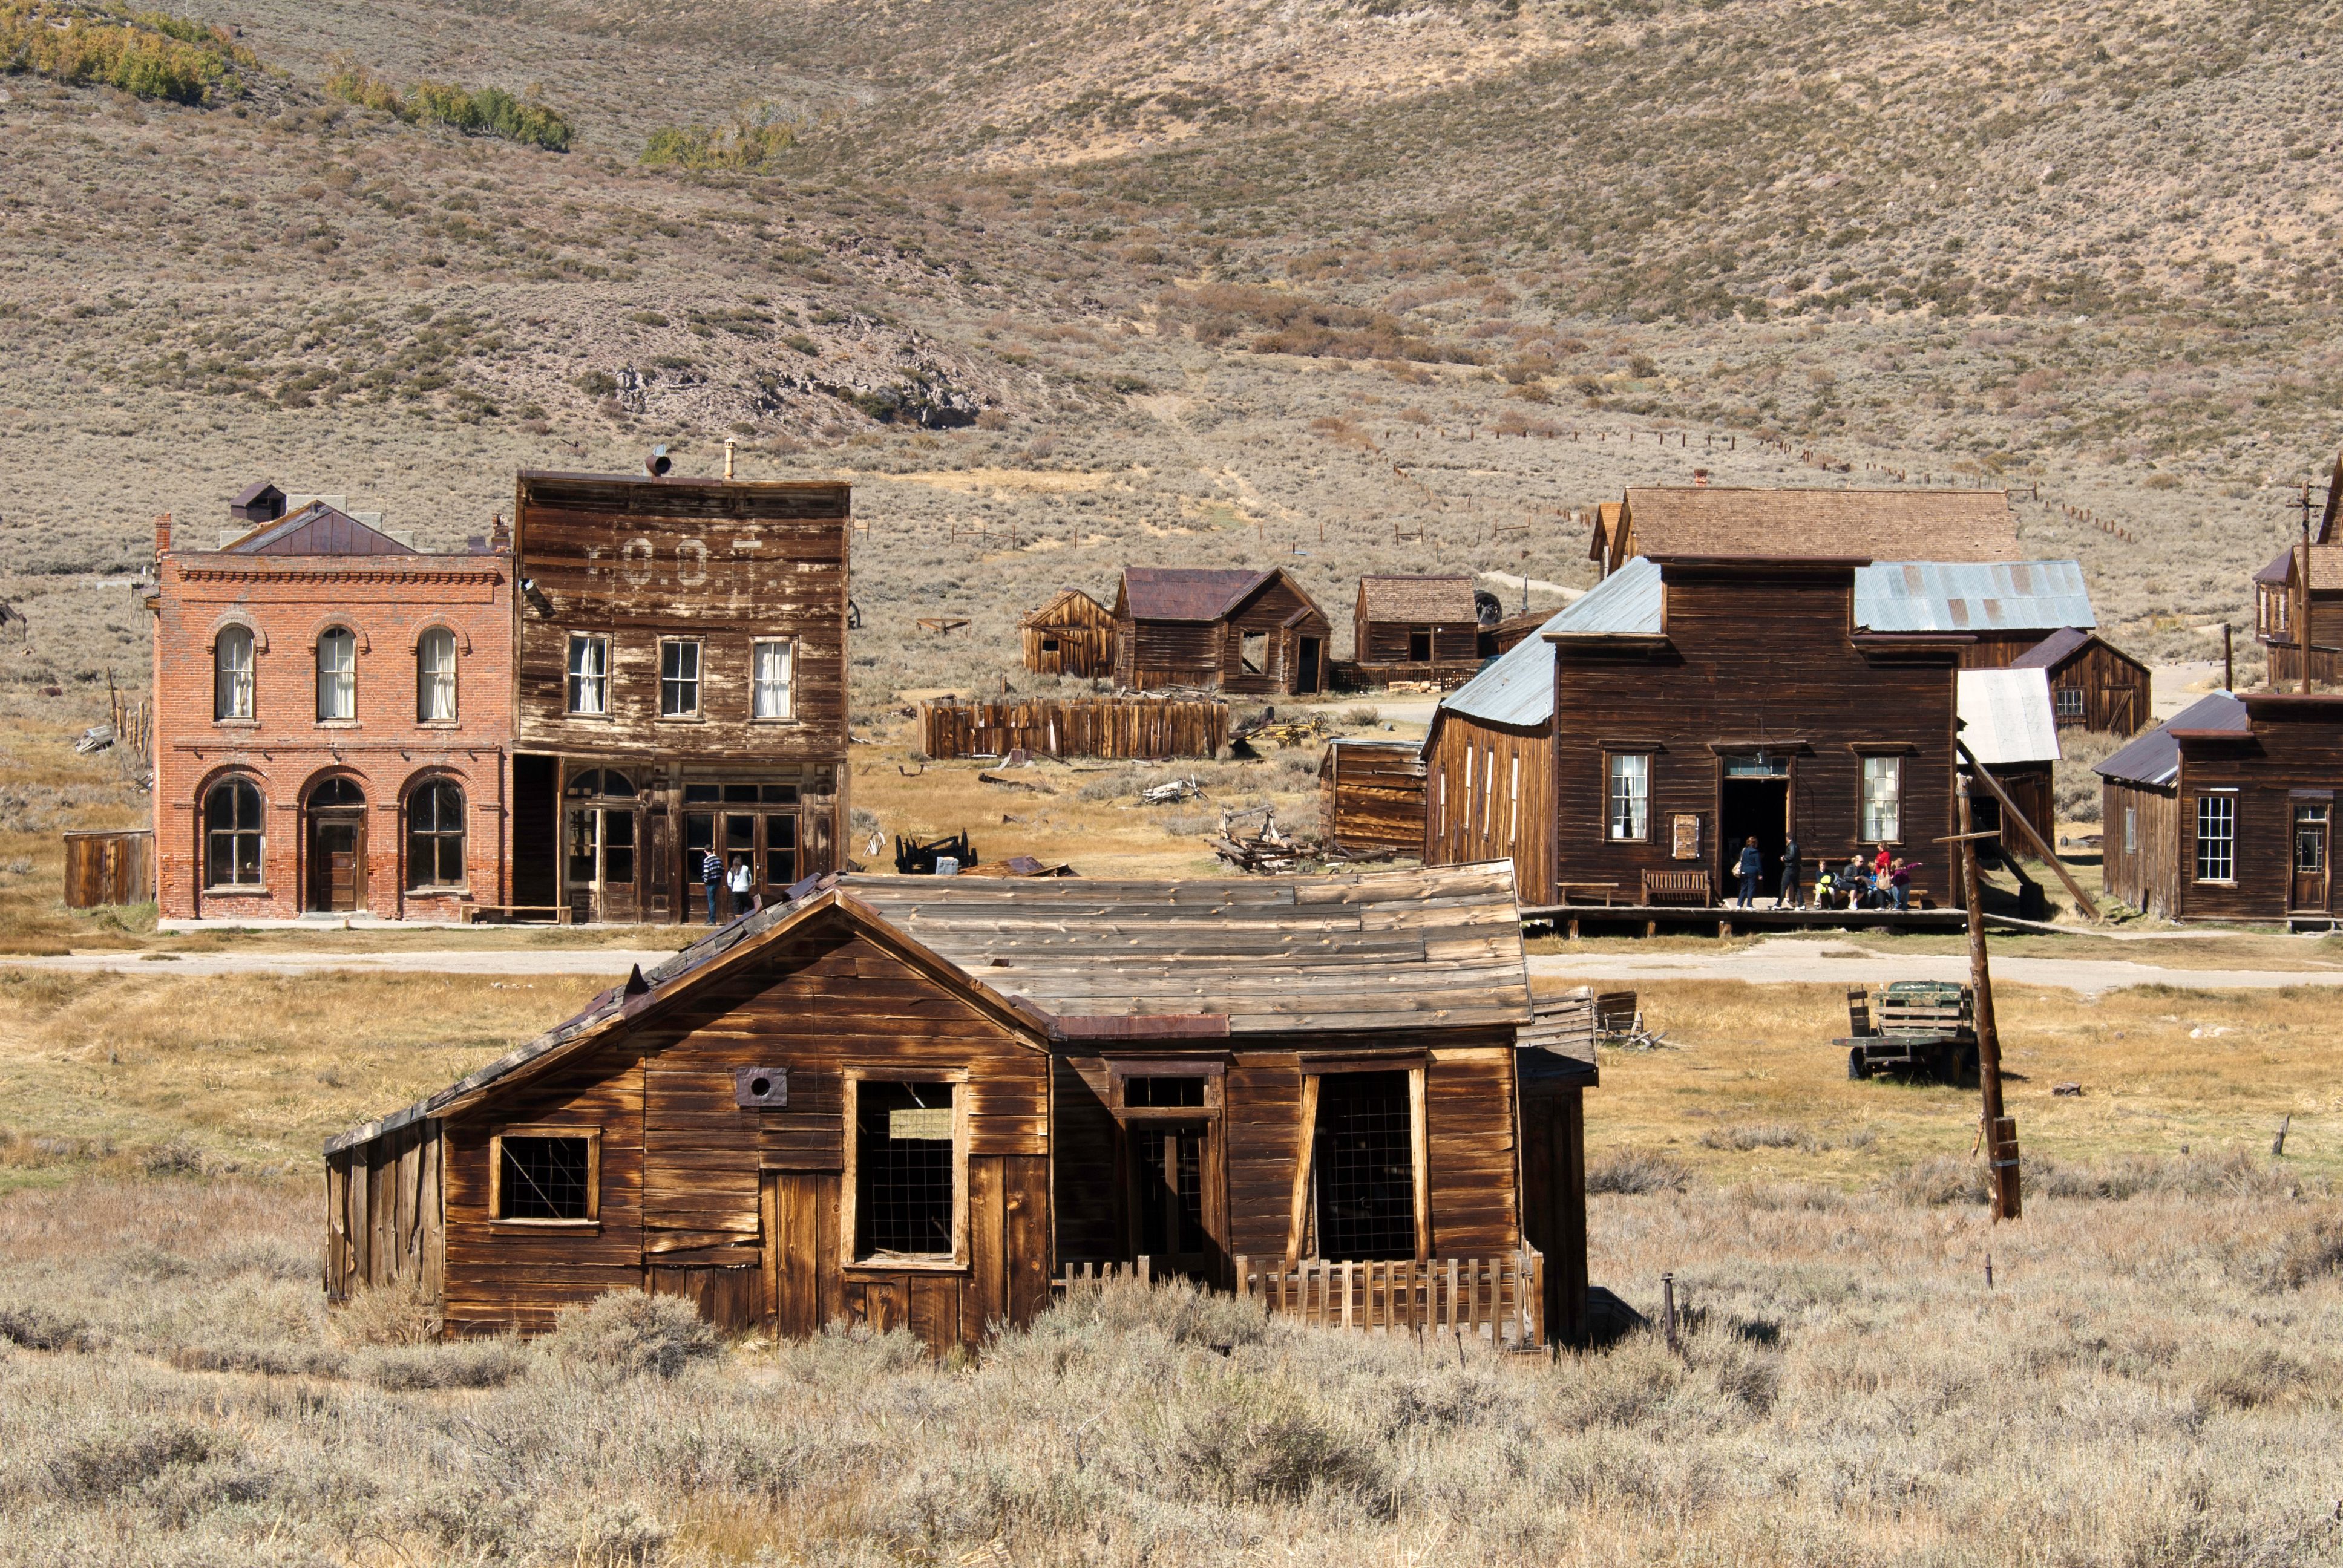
x: 2227, y: 811
x: 2280, y: 595
x: 913, y: 1101
x: 1702, y: 522
x: 1248, y: 633
x: 679, y: 685
x: 332, y: 714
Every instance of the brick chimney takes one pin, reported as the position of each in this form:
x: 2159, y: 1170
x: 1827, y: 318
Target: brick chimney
x: 1700, y: 478
x: 499, y: 536
x: 163, y: 533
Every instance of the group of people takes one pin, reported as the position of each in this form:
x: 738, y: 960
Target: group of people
x: 1883, y: 883
x: 740, y: 881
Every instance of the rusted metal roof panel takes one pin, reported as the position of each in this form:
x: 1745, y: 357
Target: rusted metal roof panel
x: 1974, y: 597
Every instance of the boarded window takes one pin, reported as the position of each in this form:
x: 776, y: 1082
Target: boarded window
x: 903, y: 1148
x: 2217, y: 838
x: 1882, y: 799
x: 232, y: 834
x: 1365, y: 1166
x: 1252, y: 652
x: 775, y: 683
x: 435, y: 836
x: 434, y: 677
x: 1631, y: 796
x: 232, y: 673
x: 589, y: 675
x: 338, y: 674
x: 679, y: 680
x: 547, y: 1176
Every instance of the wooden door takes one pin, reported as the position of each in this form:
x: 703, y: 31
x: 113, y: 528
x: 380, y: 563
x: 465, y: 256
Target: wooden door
x: 2311, y: 849
x: 336, y: 864
x: 621, y: 889
x: 659, y: 865
x: 1175, y: 1221
x: 1305, y: 674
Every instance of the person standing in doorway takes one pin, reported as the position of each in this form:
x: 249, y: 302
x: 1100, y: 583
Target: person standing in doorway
x: 1792, y: 894
x: 741, y: 882
x: 1752, y: 868
x: 711, y: 877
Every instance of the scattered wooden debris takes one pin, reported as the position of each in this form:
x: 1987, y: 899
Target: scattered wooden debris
x: 1027, y: 865
x: 914, y: 859
x: 1267, y: 851
x: 1171, y: 791
x: 2068, y: 1091
x: 1034, y: 785
x: 96, y: 738
x: 941, y: 624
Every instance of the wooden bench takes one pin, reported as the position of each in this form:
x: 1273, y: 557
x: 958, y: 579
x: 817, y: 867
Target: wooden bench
x: 1604, y: 893
x: 1688, y: 889
x: 513, y: 914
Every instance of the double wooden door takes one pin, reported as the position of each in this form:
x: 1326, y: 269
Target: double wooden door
x: 600, y: 865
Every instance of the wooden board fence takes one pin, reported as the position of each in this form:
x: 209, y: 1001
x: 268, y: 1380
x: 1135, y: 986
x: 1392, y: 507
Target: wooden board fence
x: 1500, y: 1299
x: 1135, y: 728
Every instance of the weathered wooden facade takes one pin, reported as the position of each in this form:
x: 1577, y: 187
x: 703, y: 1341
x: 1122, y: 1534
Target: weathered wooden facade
x: 1679, y: 708
x: 1712, y: 523
x: 2227, y: 810
x: 2094, y: 684
x: 681, y: 686
x: 1370, y: 795
x: 1134, y: 729
x: 1424, y: 629
x: 2277, y: 606
x: 1073, y: 634
x: 907, y: 1102
x: 109, y: 865
x: 1254, y: 634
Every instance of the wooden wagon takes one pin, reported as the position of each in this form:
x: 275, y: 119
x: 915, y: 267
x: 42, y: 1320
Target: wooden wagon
x: 1913, y: 1029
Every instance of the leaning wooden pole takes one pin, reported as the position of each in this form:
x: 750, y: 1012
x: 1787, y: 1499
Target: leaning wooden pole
x: 2084, y: 902
x: 2000, y: 1132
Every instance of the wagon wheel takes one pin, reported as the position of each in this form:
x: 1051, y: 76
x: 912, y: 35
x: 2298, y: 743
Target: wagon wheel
x: 1966, y: 1073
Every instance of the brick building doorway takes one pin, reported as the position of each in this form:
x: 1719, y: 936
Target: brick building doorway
x: 336, y: 820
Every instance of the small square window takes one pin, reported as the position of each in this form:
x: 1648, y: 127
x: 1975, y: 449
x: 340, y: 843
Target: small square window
x: 546, y: 1175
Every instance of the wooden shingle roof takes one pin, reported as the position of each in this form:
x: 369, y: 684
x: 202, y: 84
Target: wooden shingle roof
x: 1186, y: 593
x: 1418, y: 600
x: 1708, y: 522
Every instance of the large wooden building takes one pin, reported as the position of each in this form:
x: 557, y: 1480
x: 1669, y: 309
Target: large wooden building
x: 1073, y: 634
x: 1253, y: 634
x: 2227, y: 811
x: 681, y: 686
x: 1678, y: 709
x: 1426, y: 629
x: 332, y: 711
x: 2094, y: 684
x: 913, y: 1101
x: 1701, y: 522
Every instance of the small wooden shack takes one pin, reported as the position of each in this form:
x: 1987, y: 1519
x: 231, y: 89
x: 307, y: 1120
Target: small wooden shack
x: 2227, y: 811
x: 2094, y: 684
x: 1371, y: 795
x: 114, y: 866
x: 1073, y: 634
x: 2006, y: 725
x: 1247, y: 632
x: 1424, y: 629
x: 1130, y: 728
x: 911, y: 1102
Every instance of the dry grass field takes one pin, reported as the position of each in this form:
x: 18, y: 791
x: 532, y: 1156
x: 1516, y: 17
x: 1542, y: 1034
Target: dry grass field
x: 2149, y: 1378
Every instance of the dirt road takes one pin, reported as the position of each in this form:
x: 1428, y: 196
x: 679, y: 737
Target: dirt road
x: 611, y: 962
x: 1787, y: 961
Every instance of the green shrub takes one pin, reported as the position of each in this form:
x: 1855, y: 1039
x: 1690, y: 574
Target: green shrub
x: 474, y: 111
x: 146, y: 54
x: 752, y: 143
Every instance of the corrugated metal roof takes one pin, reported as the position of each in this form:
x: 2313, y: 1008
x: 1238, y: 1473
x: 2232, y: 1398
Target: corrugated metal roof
x: 1518, y: 687
x: 2154, y: 756
x: 2005, y: 717
x: 1962, y: 596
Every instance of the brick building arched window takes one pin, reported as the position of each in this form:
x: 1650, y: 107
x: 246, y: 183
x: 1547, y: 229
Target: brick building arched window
x: 435, y: 836
x: 337, y: 674
x: 233, y: 837
x: 232, y: 673
x: 435, y: 676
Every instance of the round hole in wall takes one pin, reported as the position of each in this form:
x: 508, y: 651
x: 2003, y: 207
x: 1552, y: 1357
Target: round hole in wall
x: 760, y: 1087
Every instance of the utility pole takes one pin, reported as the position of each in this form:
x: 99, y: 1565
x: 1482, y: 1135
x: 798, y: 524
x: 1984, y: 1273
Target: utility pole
x: 2302, y: 593
x: 1999, y: 1132
x: 2228, y: 656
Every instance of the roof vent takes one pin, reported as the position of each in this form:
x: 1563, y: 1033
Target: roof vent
x: 1700, y: 478
x: 658, y: 464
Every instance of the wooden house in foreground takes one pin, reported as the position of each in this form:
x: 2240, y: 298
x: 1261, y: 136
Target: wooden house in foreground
x: 1423, y: 629
x: 1073, y: 634
x: 913, y: 1101
x: 1255, y: 634
x: 2227, y: 811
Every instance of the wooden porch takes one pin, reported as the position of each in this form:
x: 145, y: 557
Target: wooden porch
x: 1500, y: 1301
x: 1719, y: 920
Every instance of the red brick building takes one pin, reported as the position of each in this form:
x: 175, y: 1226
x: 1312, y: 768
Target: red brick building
x: 332, y: 717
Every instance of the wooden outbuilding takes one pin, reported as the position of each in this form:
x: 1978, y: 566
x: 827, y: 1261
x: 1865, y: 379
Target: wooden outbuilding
x: 1073, y: 634
x: 2007, y: 725
x: 1370, y: 795
x: 915, y: 1102
x: 110, y: 865
x: 679, y: 689
x: 1245, y: 632
x: 2094, y: 684
x: 1624, y: 753
x: 1713, y: 523
x: 2227, y: 811
x: 1415, y: 629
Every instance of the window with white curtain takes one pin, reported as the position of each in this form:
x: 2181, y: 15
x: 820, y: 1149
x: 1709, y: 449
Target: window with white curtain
x: 338, y: 674
x: 1631, y: 796
x: 232, y: 673
x: 589, y: 675
x: 1882, y: 799
x: 435, y: 676
x: 774, y: 672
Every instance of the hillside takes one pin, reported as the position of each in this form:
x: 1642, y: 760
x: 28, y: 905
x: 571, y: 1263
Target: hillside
x: 1067, y: 285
